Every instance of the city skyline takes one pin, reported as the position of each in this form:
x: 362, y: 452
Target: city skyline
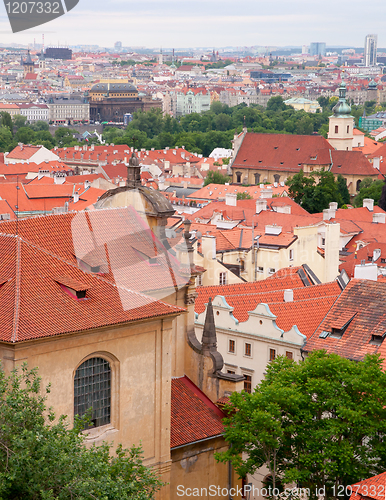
x: 212, y: 24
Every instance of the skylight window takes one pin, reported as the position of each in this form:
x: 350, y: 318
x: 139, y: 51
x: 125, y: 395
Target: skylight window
x: 324, y: 334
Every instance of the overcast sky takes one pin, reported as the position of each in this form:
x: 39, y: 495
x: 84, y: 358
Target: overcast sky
x: 211, y: 23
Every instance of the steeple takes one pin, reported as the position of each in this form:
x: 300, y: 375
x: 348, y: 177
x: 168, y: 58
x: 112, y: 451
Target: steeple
x: 209, y: 337
x: 133, y: 172
x: 340, y: 130
x: 342, y: 108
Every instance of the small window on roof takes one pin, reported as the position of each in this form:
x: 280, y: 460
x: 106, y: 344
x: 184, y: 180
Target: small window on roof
x: 377, y: 339
x: 324, y: 334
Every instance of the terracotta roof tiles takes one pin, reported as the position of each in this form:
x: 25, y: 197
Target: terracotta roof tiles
x: 193, y: 415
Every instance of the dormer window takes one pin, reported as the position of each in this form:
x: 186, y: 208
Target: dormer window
x: 339, y: 326
x: 377, y: 339
x: 72, y: 287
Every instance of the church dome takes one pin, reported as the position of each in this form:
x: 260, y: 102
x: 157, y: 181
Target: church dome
x: 342, y: 108
x: 372, y: 85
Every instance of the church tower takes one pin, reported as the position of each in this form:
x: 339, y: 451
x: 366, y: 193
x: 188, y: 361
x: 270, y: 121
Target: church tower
x: 340, y: 132
x: 28, y: 65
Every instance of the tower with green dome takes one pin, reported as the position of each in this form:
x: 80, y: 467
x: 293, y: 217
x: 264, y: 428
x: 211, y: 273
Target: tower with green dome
x: 340, y: 131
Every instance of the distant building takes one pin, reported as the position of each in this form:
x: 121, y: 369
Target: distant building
x: 118, y: 46
x: 68, y: 110
x: 58, y: 53
x: 111, y: 101
x: 317, y: 49
x: 192, y: 100
x: 370, y: 52
x: 34, y: 112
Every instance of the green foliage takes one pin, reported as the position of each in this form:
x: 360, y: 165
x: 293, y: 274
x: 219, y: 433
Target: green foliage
x: 316, y: 191
x: 318, y: 422
x: 382, y: 199
x: 64, y: 137
x: 369, y: 188
x: 6, y: 120
x: 244, y: 196
x: 214, y: 177
x: 19, y: 121
x: 343, y: 189
x: 5, y: 138
x: 43, y: 459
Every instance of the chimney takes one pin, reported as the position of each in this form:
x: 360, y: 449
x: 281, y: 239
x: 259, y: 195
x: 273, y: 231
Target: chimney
x: 376, y: 162
x: 283, y: 209
x: 379, y: 218
x: 208, y: 246
x: 92, y: 147
x: 326, y: 214
x: 273, y: 230
x: 288, y: 295
x: 369, y: 204
x: 275, y: 184
x: 231, y: 199
x: 185, y: 185
x: 333, y: 209
x: 365, y: 271
x: 261, y: 205
x: 76, y: 197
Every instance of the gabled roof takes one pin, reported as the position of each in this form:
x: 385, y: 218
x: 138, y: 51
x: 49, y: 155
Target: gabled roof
x: 23, y: 152
x: 309, y: 307
x: 38, y: 255
x: 351, y: 163
x: 281, y: 152
x: 193, y: 415
x: 363, y: 301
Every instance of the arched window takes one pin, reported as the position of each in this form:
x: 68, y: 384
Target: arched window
x: 238, y: 177
x: 336, y: 129
x: 92, y: 389
x: 257, y: 178
x: 276, y: 177
x: 359, y: 184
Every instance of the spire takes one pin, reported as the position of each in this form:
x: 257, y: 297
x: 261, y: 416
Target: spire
x: 342, y: 108
x: 209, y: 338
x: 133, y: 172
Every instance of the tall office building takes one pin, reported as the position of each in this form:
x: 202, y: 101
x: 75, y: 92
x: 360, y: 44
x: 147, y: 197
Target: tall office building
x: 317, y: 49
x: 370, y: 53
x: 118, y: 46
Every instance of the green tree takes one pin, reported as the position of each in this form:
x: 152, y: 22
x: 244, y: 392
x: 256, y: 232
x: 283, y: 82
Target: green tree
x: 6, y: 120
x: 276, y: 103
x: 314, y: 192
x: 40, y: 126
x: 382, y: 199
x: 214, y: 177
x: 64, y: 137
x: 319, y: 422
x: 19, y: 121
x: 5, y: 139
x: 43, y: 459
x: 369, y: 188
x: 343, y: 189
x: 243, y: 196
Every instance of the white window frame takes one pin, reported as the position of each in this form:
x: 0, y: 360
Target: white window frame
x: 291, y: 254
x: 222, y: 278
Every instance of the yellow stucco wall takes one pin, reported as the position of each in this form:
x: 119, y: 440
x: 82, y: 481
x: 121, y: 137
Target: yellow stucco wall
x: 194, y: 466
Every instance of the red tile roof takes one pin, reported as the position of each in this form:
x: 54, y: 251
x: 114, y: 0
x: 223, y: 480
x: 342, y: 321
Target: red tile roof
x: 281, y: 152
x: 58, y: 249
x: 193, y: 415
x: 371, y: 488
x: 23, y: 152
x: 363, y: 301
x: 351, y: 163
x: 309, y: 307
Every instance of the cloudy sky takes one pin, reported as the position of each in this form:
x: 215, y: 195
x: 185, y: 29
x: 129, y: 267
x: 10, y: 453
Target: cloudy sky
x: 210, y: 23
